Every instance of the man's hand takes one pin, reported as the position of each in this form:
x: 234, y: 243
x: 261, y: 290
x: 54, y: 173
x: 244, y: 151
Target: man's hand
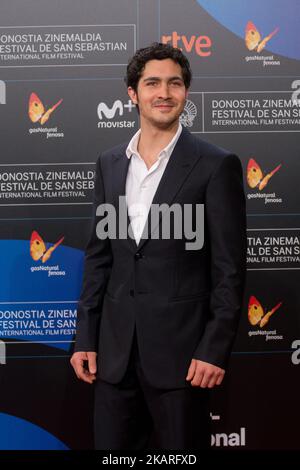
x: 202, y: 374
x: 85, y: 365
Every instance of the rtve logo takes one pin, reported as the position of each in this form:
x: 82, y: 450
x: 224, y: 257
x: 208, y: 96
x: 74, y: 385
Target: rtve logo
x: 200, y: 44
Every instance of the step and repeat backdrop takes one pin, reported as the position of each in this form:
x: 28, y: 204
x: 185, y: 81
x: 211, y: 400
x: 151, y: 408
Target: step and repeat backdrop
x: 62, y: 101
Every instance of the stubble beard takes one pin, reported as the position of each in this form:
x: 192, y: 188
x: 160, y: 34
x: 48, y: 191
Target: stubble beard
x: 168, y: 122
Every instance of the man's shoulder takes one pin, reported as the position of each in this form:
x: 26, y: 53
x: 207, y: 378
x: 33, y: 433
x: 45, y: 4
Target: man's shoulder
x: 116, y: 150
x: 212, y: 154
x: 207, y: 148
x: 107, y: 156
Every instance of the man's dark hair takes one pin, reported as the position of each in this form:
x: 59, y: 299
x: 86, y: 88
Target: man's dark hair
x: 156, y: 51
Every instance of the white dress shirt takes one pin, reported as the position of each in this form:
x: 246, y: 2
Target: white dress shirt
x: 141, y: 183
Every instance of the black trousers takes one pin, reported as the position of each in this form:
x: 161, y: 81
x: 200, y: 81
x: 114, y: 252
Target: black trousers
x: 133, y: 415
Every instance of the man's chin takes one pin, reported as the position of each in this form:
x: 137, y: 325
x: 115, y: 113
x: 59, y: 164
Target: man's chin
x: 165, y: 123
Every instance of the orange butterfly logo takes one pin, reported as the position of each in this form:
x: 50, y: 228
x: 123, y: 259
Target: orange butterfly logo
x: 38, y: 250
x: 256, y: 313
x: 36, y: 109
x: 255, y: 175
x: 253, y: 38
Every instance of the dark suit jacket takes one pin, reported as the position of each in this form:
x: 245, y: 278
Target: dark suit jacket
x: 183, y: 304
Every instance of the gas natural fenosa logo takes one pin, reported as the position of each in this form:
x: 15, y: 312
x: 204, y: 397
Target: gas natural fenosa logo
x: 257, y: 179
x: 257, y: 314
x: 255, y: 176
x: 38, y: 250
x: 253, y: 38
x: 256, y: 43
x: 38, y: 114
x: 37, y: 111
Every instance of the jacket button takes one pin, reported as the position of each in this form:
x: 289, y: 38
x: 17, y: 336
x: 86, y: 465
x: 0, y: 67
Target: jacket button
x: 138, y: 255
x: 131, y: 292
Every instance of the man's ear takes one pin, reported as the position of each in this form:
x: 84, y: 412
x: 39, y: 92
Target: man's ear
x: 132, y: 95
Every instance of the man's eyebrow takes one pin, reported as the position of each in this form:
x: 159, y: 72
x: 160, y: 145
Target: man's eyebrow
x: 176, y: 77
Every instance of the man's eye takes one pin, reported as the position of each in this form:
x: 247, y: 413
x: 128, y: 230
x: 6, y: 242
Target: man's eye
x: 176, y: 83
x: 151, y: 83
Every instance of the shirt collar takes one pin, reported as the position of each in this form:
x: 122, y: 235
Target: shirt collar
x: 166, y: 152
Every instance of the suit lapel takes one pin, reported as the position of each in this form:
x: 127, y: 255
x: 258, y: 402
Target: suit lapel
x: 119, y: 175
x: 180, y: 164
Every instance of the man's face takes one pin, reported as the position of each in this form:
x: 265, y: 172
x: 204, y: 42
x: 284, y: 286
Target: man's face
x: 160, y: 94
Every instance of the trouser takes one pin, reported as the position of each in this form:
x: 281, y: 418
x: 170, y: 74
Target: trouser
x: 133, y: 415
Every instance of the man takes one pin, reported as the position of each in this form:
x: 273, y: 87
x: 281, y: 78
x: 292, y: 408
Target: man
x: 157, y: 317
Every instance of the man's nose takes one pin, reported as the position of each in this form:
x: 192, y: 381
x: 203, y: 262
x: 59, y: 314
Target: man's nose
x: 164, y: 91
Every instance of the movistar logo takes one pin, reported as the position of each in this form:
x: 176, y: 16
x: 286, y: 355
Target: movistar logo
x: 117, y: 107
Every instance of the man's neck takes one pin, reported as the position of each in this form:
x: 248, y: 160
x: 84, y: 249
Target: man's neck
x: 153, y: 140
